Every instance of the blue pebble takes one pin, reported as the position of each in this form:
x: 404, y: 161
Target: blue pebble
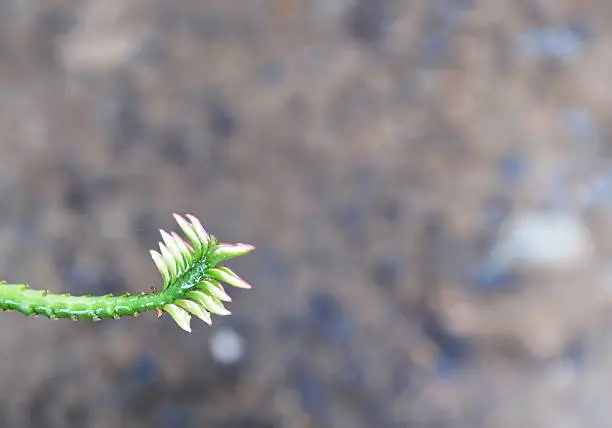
x: 313, y: 397
x: 513, y: 168
x: 449, y: 345
x: 144, y: 371
x: 561, y: 43
x: 353, y: 375
x: 173, y: 416
x: 223, y: 122
x: 599, y: 192
x: 493, y: 278
x: 277, y: 267
x: 273, y: 73
x: 352, y: 220
x: 435, y: 48
x: 448, y: 366
x: 327, y: 319
x: 580, y: 123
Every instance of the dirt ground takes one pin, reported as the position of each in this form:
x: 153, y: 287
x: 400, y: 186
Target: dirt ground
x: 428, y: 185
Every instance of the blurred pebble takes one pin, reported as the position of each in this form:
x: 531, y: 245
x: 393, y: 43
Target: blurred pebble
x: 565, y: 44
x: 152, y: 51
x: 327, y: 319
x: 249, y: 421
x: 579, y: 122
x: 391, y: 210
x: 490, y: 277
x: 598, y: 191
x: 353, y: 375
x: 273, y: 73
x: 77, y: 415
x: 109, y: 279
x: 435, y: 47
x: 174, y: 147
x: 126, y: 118
x: 513, y: 168
x: 173, y: 416
x: 51, y: 24
x: 289, y: 327
x: 449, y: 345
x: 550, y: 240
x: 450, y: 10
x: 447, y: 366
x: 495, y: 210
x: 77, y: 197
x: 227, y: 347
x: 85, y: 280
x: 85, y: 51
x: 351, y: 220
x: 368, y: 20
x: 400, y: 379
x: 576, y: 356
x: 63, y: 255
x: 278, y: 267
x: 384, y: 273
x: 222, y: 121
x: 313, y: 397
x: 29, y: 221
x: 323, y: 307
x: 143, y: 371
x: 145, y: 229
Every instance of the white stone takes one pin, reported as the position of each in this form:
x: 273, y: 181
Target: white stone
x: 549, y: 240
x: 227, y: 346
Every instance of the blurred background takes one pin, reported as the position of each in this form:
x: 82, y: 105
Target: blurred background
x: 428, y: 184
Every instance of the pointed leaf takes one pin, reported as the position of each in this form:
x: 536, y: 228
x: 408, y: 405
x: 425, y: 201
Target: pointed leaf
x: 161, y: 266
x: 174, y: 249
x: 213, y: 288
x: 189, y: 232
x: 211, y: 304
x: 186, y: 250
x: 228, y: 276
x: 182, y: 318
x: 170, y: 261
x: 199, y: 230
x: 195, y: 309
x: 229, y: 251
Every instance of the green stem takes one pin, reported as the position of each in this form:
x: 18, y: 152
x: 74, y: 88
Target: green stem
x: 39, y: 302
x: 190, y: 284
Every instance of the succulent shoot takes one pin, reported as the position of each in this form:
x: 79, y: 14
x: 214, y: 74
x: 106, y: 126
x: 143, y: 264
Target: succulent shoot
x: 192, y: 284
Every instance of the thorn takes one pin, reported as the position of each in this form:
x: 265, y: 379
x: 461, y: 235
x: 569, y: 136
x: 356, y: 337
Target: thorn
x: 44, y: 293
x: 96, y: 319
x: 160, y: 313
x: 135, y: 315
x: 74, y: 318
x: 116, y: 317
